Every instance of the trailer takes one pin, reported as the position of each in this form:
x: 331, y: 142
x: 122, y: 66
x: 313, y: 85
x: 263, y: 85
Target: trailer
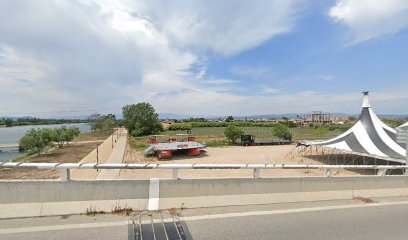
x: 249, y: 140
x: 166, y: 148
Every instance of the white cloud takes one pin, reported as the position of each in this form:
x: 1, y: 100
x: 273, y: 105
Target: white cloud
x: 83, y: 56
x: 369, y: 19
x: 225, y: 27
x: 270, y: 90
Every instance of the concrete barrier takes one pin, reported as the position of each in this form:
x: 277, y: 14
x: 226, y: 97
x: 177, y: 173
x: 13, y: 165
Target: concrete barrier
x: 46, y: 198
x: 41, y: 198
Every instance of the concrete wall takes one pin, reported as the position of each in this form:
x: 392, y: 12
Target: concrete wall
x: 104, y: 151
x: 221, y: 192
x: 41, y: 198
x: 45, y: 198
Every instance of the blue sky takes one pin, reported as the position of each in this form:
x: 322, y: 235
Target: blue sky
x: 68, y: 58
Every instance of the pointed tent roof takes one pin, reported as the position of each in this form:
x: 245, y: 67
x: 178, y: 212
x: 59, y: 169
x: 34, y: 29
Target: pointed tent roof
x: 405, y: 125
x: 369, y: 136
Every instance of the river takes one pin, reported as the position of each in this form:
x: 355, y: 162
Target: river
x: 12, y: 135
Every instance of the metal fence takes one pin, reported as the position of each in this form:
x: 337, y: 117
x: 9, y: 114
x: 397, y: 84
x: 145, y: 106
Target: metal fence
x: 66, y: 167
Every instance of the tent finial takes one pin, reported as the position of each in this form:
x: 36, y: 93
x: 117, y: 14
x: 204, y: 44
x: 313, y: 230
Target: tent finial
x: 366, y: 103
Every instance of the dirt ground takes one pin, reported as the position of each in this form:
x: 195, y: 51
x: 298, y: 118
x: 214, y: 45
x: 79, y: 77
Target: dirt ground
x: 278, y: 154
x: 71, y: 153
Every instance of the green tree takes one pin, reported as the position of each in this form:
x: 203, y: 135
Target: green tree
x: 104, y: 122
x: 58, y: 136
x: 36, y: 140
x: 63, y: 134
x: 229, y: 119
x: 141, y: 119
x: 71, y: 133
x: 8, y: 122
x: 232, y: 133
x: 282, y: 131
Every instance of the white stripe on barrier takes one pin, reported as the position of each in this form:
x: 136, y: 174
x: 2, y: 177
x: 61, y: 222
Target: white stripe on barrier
x: 154, y: 194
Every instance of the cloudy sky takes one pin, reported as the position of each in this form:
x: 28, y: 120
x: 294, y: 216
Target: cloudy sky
x: 72, y: 58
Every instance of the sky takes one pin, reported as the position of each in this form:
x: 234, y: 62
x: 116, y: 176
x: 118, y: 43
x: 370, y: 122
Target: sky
x: 230, y: 57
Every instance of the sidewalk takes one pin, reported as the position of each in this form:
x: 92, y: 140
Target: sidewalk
x: 115, y: 157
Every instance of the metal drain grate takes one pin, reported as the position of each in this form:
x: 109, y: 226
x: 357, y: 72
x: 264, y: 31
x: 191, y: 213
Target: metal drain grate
x: 157, y: 226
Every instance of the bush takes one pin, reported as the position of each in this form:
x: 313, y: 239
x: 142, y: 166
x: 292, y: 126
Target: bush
x: 282, y: 131
x: 180, y: 126
x: 238, y: 124
x: 35, y: 140
x: 232, y: 133
x: 292, y: 124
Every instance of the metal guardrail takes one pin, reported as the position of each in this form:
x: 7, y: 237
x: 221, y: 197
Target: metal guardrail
x: 66, y: 167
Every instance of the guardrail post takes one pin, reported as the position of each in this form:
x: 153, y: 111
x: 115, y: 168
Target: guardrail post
x: 175, y: 173
x: 382, y: 172
x: 65, y: 175
x: 329, y: 173
x: 256, y: 173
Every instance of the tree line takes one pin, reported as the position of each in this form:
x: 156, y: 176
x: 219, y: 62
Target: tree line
x: 9, y: 122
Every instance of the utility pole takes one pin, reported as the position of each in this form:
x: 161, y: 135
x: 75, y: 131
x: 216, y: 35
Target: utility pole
x: 97, y: 156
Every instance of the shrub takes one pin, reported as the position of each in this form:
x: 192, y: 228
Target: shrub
x: 282, y: 131
x: 292, y: 124
x: 180, y: 126
x: 35, y: 140
x: 232, y: 133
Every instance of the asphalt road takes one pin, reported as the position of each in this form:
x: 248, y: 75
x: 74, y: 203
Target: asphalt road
x: 318, y: 220
x: 389, y: 222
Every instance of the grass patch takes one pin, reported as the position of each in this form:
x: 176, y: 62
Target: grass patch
x: 216, y: 143
x: 126, y: 211
x: 93, y: 136
x: 138, y: 143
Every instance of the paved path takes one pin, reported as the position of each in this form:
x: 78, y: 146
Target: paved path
x: 115, y: 157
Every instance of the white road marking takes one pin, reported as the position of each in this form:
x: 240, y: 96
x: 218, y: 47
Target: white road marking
x: 154, y: 194
x: 196, y: 218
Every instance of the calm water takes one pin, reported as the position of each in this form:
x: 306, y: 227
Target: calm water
x: 13, y: 134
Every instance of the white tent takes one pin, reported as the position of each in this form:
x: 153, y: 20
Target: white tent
x: 405, y: 125
x: 369, y: 137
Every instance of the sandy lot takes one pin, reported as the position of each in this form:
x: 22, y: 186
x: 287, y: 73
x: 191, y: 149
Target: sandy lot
x: 74, y: 152
x: 69, y: 153
x: 279, y: 154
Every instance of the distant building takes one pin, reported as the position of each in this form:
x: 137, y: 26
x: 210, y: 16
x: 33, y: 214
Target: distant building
x: 342, y: 119
x: 316, y: 118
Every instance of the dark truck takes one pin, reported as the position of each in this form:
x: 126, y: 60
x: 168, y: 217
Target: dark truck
x: 249, y: 140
